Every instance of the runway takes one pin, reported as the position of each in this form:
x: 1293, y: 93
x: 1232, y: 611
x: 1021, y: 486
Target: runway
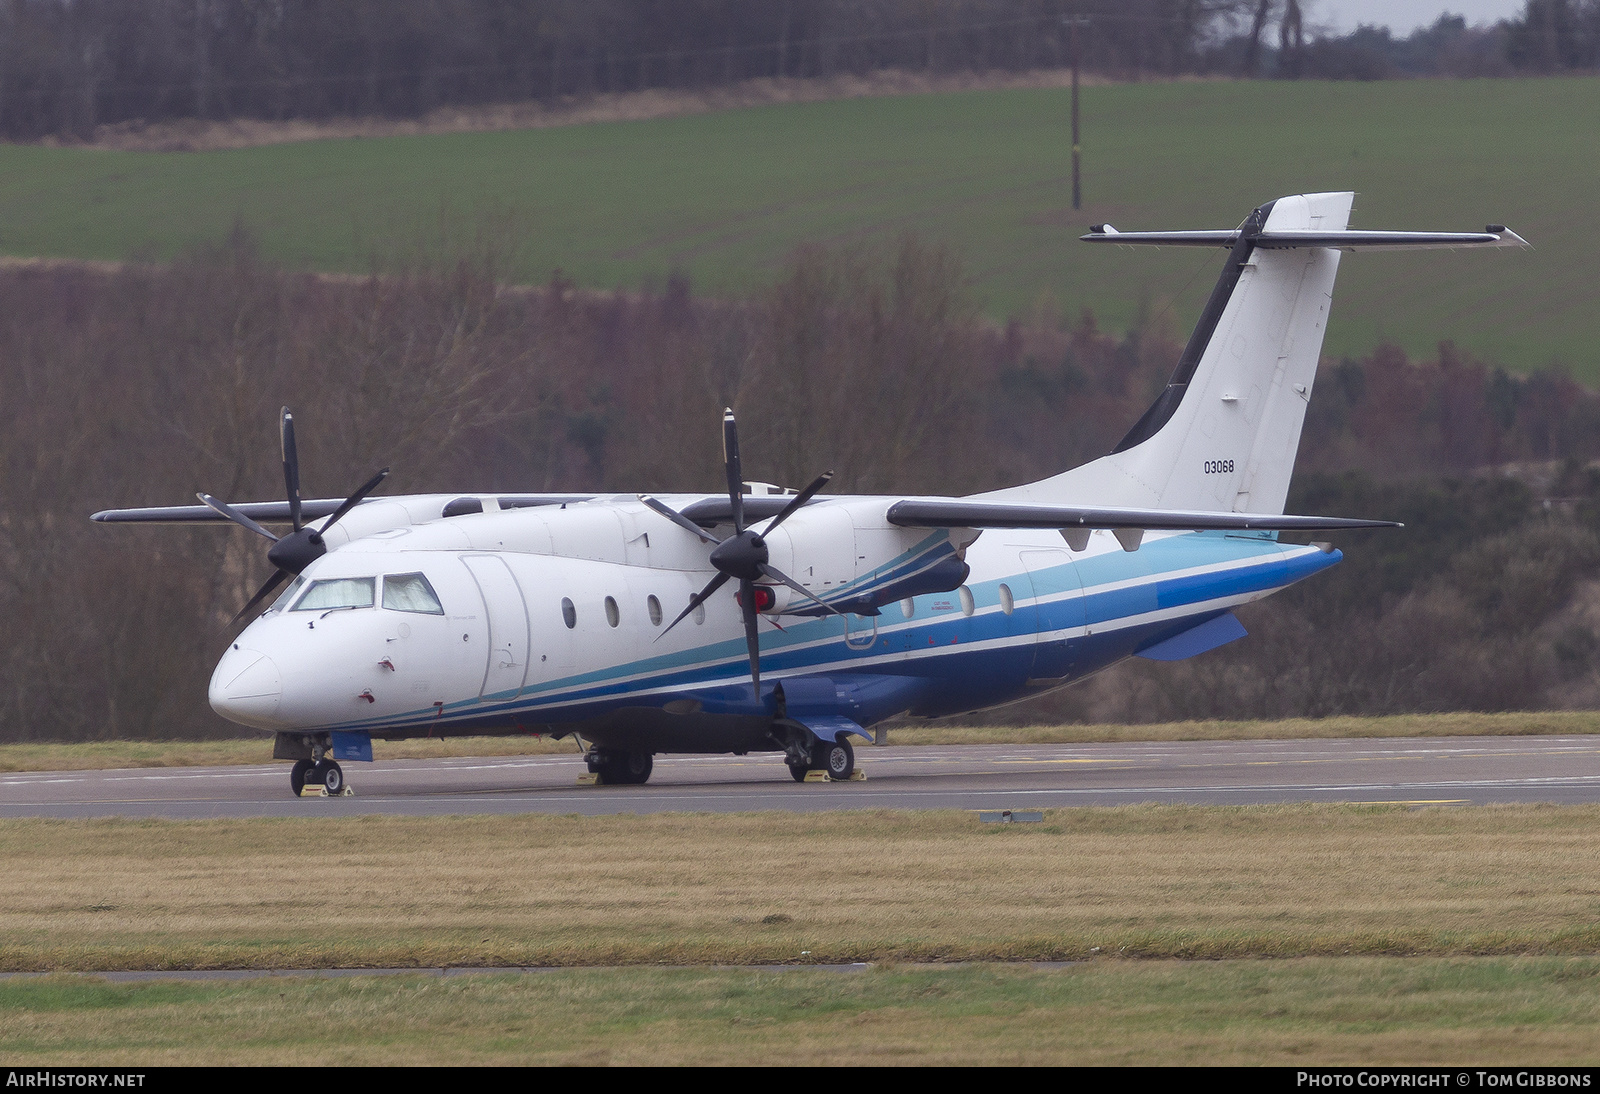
x: 1419, y: 771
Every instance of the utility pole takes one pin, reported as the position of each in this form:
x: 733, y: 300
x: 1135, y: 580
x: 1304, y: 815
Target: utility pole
x: 1073, y: 22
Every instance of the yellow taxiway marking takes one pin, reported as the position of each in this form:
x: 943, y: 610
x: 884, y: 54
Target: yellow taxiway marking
x: 1084, y: 760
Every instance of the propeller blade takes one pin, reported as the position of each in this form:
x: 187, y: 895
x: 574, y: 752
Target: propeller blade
x: 730, y: 459
x: 752, y: 636
x: 355, y: 499
x: 778, y: 575
x: 291, y: 466
x: 278, y: 578
x: 695, y: 601
x: 677, y: 518
x: 800, y: 499
x: 237, y: 517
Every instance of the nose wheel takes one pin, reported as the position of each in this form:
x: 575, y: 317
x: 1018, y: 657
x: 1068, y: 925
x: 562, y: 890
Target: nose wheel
x: 330, y: 775
x: 325, y: 773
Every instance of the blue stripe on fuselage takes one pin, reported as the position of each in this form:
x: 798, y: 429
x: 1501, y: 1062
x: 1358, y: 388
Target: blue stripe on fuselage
x: 1116, y: 590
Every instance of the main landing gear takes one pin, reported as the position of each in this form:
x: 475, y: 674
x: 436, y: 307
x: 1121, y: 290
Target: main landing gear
x: 837, y: 758
x: 619, y: 767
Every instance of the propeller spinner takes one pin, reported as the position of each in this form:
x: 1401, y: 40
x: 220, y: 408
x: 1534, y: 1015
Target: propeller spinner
x: 292, y: 553
x: 743, y: 556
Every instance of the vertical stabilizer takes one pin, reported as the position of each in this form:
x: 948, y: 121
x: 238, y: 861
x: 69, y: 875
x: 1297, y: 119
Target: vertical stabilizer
x: 1224, y: 432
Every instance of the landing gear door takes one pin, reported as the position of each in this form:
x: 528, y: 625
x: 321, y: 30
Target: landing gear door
x: 1059, y: 613
x: 507, y: 667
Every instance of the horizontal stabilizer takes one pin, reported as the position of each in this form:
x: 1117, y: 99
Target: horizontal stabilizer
x: 1495, y: 235
x: 954, y: 513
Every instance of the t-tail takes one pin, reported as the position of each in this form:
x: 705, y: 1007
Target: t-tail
x: 1223, y: 434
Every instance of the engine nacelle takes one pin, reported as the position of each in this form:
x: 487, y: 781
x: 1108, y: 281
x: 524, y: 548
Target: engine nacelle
x: 851, y: 557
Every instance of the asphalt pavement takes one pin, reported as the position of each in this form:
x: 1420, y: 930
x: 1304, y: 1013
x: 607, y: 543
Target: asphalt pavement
x: 1412, y: 771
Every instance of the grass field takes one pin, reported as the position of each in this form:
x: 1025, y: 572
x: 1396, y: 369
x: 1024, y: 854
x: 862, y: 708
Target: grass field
x: 1147, y: 881
x: 1364, y: 1011
x: 725, y: 196
x: 1281, y: 935
x: 102, y: 755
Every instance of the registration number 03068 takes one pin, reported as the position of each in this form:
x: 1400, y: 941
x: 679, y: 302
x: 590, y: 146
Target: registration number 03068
x: 1219, y: 467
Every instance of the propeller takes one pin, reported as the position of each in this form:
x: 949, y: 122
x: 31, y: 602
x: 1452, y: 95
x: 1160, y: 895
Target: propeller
x: 292, y: 553
x: 743, y: 556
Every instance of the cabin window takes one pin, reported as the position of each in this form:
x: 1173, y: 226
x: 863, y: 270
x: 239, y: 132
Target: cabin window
x: 968, y: 605
x: 613, y: 616
x: 568, y: 613
x: 908, y: 607
x: 287, y: 595
x: 654, y: 607
x: 337, y: 592
x: 1008, y: 603
x: 410, y: 593
x: 700, y: 613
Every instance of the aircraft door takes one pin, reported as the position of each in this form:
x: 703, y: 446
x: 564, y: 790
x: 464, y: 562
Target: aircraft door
x: 507, y: 667
x: 1058, y: 613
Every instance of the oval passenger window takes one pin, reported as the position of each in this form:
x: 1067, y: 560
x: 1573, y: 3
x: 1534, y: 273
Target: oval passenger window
x: 968, y: 605
x: 1008, y: 603
x: 569, y: 613
x: 654, y: 607
x: 613, y: 616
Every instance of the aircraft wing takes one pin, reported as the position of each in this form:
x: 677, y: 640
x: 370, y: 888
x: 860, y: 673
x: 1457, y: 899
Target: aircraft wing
x: 956, y: 513
x: 277, y: 512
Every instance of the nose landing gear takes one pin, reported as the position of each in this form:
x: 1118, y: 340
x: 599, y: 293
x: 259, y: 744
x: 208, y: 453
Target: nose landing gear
x: 318, y: 776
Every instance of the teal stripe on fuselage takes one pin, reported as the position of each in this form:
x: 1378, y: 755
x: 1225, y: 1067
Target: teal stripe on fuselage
x: 1158, y: 583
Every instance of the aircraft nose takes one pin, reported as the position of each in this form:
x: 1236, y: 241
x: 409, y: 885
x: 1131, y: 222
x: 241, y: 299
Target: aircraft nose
x: 246, y: 688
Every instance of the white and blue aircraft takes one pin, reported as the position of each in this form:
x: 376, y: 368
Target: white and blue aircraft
x: 803, y: 619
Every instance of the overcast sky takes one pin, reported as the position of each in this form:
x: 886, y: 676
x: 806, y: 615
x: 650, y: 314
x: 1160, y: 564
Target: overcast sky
x: 1403, y: 16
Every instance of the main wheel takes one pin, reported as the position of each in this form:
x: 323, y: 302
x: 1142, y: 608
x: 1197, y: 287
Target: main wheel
x: 622, y: 768
x: 632, y: 768
x: 297, y: 776
x: 837, y: 758
x: 330, y: 775
x: 799, y: 771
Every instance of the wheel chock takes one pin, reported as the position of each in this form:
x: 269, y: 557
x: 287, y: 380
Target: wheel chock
x: 589, y: 778
x: 857, y: 776
x: 817, y: 775
x: 313, y: 790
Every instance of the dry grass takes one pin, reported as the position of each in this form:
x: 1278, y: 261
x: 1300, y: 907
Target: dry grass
x: 198, y: 135
x: 101, y: 755
x: 683, y: 889
x: 1353, y: 1011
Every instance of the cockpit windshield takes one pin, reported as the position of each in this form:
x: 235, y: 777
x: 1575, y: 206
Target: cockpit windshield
x: 410, y: 593
x: 337, y: 592
x: 287, y: 596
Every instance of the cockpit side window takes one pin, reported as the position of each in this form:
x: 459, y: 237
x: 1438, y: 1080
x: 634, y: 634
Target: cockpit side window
x: 410, y: 593
x: 285, y: 597
x: 337, y: 592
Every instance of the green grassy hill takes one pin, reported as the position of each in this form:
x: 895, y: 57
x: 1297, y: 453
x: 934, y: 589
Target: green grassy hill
x: 725, y: 196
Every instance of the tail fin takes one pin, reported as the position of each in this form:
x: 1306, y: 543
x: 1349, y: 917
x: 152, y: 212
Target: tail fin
x: 1224, y: 432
